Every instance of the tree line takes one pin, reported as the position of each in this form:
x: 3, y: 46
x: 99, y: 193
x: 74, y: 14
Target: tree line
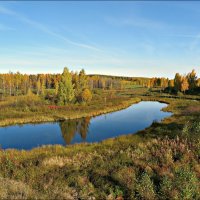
x: 14, y: 84
x: 189, y: 82
x: 77, y: 86
x: 68, y: 87
x: 181, y: 83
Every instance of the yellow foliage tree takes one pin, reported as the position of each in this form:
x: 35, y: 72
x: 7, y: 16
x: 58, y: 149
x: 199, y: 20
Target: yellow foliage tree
x: 184, y: 84
x: 86, y: 95
x: 198, y: 82
x: 177, y: 82
x: 171, y: 83
x: 192, y: 77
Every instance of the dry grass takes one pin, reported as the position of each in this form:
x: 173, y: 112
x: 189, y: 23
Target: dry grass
x: 11, y: 189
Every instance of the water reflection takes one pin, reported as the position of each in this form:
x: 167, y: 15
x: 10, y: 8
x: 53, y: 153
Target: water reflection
x: 72, y: 127
x: 95, y: 129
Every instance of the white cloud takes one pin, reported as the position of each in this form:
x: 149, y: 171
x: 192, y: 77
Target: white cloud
x: 45, y: 29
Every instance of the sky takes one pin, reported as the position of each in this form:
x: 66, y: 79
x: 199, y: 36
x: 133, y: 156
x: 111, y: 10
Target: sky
x: 133, y: 38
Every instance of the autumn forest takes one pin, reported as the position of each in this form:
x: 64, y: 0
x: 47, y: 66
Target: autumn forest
x: 73, y: 87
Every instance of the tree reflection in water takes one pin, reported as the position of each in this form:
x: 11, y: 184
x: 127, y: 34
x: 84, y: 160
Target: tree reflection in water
x: 70, y: 128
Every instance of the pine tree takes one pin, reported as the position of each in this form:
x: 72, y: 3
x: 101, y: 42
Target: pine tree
x: 65, y: 90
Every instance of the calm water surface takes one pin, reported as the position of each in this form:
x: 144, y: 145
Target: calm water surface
x: 90, y: 129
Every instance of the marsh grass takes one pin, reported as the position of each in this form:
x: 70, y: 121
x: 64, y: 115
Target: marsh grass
x: 160, y: 162
x: 25, y: 109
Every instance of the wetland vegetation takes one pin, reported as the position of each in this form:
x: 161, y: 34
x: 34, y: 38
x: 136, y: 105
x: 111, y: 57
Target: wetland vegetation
x: 99, y: 100
x: 160, y: 162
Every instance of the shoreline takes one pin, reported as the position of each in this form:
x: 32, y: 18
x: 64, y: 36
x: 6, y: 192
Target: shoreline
x: 123, y: 105
x: 48, y: 119
x: 44, y: 119
x: 108, y: 139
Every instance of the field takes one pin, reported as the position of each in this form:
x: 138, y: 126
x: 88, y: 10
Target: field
x: 160, y: 162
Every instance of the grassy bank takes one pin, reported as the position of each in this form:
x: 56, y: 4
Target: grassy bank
x: 33, y: 109
x: 160, y: 162
x: 24, y: 109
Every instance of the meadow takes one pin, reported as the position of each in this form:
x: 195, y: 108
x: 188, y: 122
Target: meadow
x: 160, y: 162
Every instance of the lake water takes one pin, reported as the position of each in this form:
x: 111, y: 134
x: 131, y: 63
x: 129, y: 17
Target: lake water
x: 90, y: 129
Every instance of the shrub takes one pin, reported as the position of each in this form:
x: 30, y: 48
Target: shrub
x: 192, y: 130
x: 180, y: 94
x: 166, y: 188
x: 145, y: 187
x: 187, y: 184
x: 116, y: 192
x: 127, y: 181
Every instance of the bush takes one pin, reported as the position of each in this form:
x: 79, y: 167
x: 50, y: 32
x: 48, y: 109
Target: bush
x: 184, y: 185
x: 180, y: 94
x: 145, y: 187
x: 191, y: 130
x: 187, y: 184
x: 166, y: 188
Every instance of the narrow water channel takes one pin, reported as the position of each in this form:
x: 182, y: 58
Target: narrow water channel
x: 90, y: 129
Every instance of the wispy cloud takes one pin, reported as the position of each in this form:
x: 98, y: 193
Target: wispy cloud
x: 6, y: 11
x: 134, y: 21
x: 45, y: 29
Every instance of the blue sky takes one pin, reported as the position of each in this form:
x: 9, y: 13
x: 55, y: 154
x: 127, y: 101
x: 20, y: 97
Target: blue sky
x: 118, y: 38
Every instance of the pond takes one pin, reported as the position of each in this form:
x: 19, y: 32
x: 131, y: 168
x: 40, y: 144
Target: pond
x: 90, y: 129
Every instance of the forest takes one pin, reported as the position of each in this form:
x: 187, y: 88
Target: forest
x: 79, y: 87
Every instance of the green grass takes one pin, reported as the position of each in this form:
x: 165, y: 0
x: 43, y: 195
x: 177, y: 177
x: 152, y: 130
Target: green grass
x: 160, y: 162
